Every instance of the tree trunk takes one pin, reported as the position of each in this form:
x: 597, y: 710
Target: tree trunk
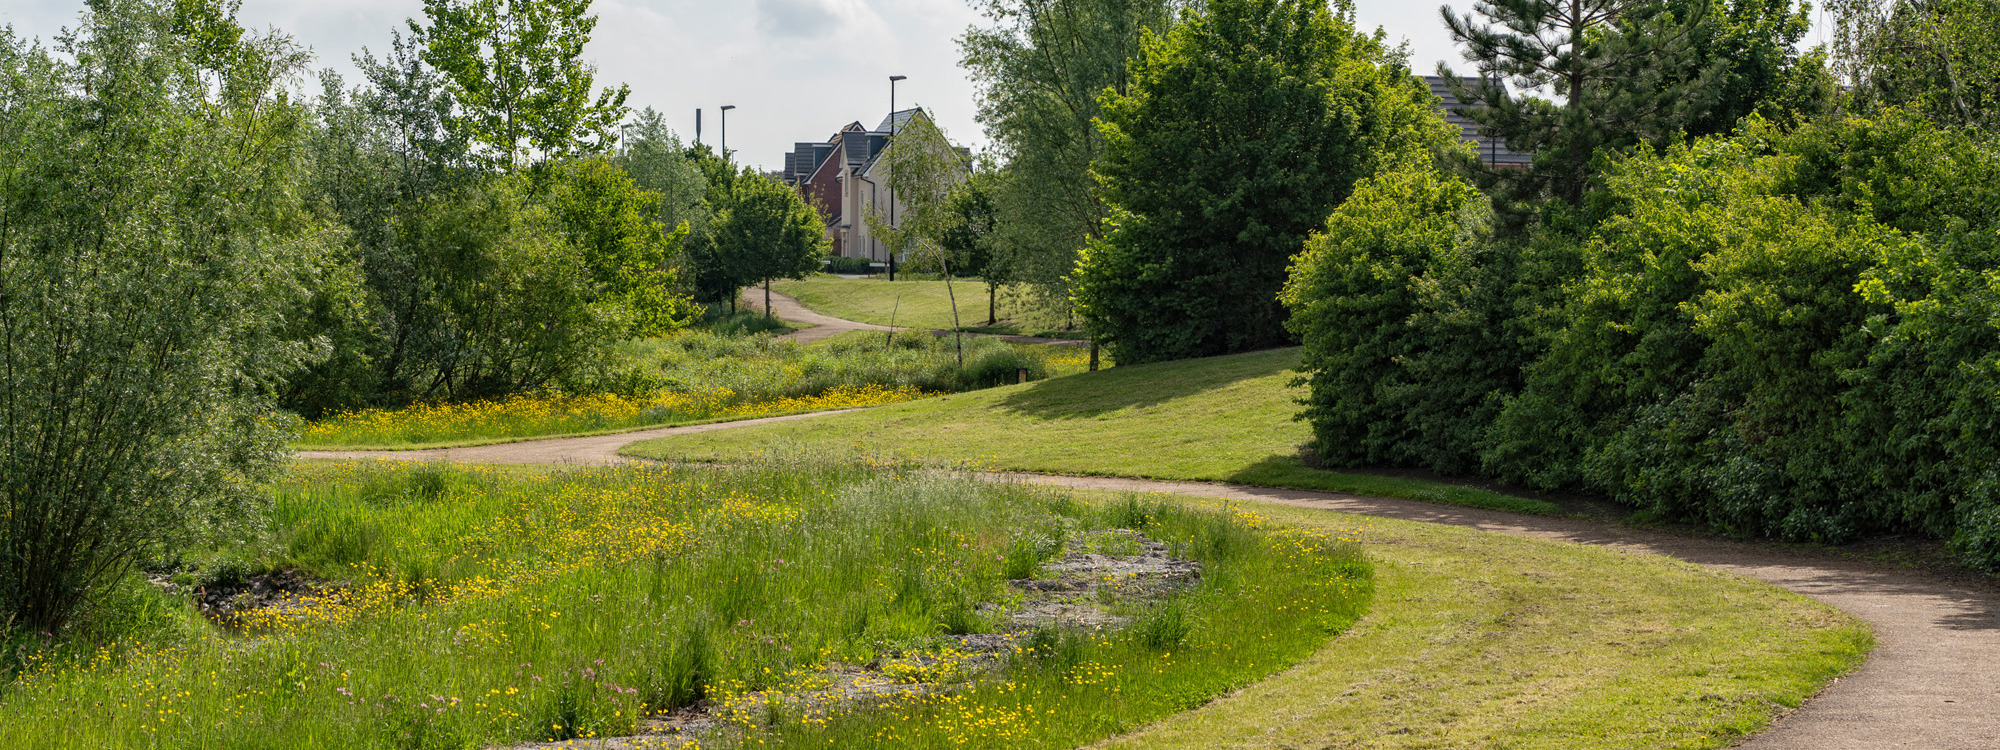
x: 767, y: 299
x: 957, y: 329
x: 1093, y: 354
x: 992, y: 306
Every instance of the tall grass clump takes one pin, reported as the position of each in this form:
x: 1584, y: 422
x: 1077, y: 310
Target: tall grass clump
x: 769, y: 367
x: 496, y: 606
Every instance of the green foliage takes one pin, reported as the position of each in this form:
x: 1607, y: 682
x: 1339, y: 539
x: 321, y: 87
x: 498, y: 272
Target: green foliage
x: 1939, y: 57
x: 1701, y: 362
x: 1040, y: 66
x: 412, y: 315
x: 614, y: 225
x: 1781, y: 334
x: 511, y: 297
x: 657, y: 162
x: 152, y: 248
x: 1399, y: 303
x: 766, y: 231
x: 1242, y: 129
x: 1628, y: 72
x: 512, y: 68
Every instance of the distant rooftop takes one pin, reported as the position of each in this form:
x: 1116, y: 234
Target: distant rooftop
x: 1492, y: 151
x: 896, y: 120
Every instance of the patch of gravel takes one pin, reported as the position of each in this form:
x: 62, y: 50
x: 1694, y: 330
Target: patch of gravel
x: 282, y: 590
x: 1071, y: 594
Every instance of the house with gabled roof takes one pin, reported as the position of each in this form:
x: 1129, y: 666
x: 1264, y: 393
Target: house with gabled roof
x: 844, y: 178
x: 1493, y: 152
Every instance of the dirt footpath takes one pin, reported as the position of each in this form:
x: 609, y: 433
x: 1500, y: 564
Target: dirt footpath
x: 825, y: 326
x: 1933, y: 681
x: 600, y: 450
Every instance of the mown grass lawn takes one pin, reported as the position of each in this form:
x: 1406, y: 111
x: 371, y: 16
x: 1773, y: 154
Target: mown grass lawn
x: 915, y: 304
x: 1220, y: 419
x: 1480, y: 640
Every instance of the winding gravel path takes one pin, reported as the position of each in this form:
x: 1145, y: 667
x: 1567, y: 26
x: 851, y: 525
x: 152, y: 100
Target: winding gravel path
x: 827, y: 326
x: 823, y: 326
x: 1933, y: 682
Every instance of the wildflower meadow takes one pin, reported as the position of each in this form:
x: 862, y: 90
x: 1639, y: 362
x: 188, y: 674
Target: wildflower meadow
x: 798, y: 602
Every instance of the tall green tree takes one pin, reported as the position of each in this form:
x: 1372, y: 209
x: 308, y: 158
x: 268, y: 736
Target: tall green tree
x: 1604, y: 75
x: 1242, y: 129
x: 1941, y: 57
x: 152, y: 247
x: 615, y: 225
x: 1040, y: 66
x: 714, y: 277
x: 767, y: 231
x: 657, y: 161
x: 969, y: 237
x: 1625, y: 72
x: 515, y: 70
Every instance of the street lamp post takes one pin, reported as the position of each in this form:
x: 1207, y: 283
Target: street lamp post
x: 892, y: 189
x: 725, y: 130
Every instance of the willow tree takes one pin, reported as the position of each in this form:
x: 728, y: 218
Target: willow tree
x: 1040, y: 66
x: 152, y: 246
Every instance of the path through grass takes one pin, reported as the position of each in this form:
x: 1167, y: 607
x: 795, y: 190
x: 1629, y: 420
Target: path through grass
x: 1480, y: 640
x: 914, y: 304
x: 1220, y: 419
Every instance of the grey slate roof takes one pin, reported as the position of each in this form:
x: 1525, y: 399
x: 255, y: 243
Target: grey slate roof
x: 1492, y: 151
x: 896, y: 120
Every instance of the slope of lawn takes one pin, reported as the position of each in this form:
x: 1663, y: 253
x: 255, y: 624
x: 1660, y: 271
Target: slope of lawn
x: 914, y: 304
x: 1480, y: 640
x: 1219, y: 419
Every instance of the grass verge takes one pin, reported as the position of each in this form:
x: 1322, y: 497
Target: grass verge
x: 1223, y: 419
x: 1484, y: 640
x: 916, y: 304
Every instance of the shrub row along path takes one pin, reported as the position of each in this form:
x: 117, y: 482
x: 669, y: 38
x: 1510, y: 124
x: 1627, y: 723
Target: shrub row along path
x: 827, y: 326
x: 1933, y: 681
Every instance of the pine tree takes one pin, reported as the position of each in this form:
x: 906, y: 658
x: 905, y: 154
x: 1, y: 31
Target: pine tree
x: 1625, y: 72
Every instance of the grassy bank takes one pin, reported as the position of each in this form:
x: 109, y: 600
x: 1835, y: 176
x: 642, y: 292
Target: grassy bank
x: 1479, y: 640
x: 916, y: 304
x: 1221, y: 419
x: 468, y: 607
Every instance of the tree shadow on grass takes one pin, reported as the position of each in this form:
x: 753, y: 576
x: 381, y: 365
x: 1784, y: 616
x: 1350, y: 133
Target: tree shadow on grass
x: 1095, y: 394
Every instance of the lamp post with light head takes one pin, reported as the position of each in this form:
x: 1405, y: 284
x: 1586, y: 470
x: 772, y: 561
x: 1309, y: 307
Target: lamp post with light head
x: 725, y: 130
x: 892, y: 191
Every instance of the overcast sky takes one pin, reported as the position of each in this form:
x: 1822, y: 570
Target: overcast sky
x: 797, y: 70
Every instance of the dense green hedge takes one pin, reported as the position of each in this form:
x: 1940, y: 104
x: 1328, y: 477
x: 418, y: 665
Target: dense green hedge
x: 1793, y: 335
